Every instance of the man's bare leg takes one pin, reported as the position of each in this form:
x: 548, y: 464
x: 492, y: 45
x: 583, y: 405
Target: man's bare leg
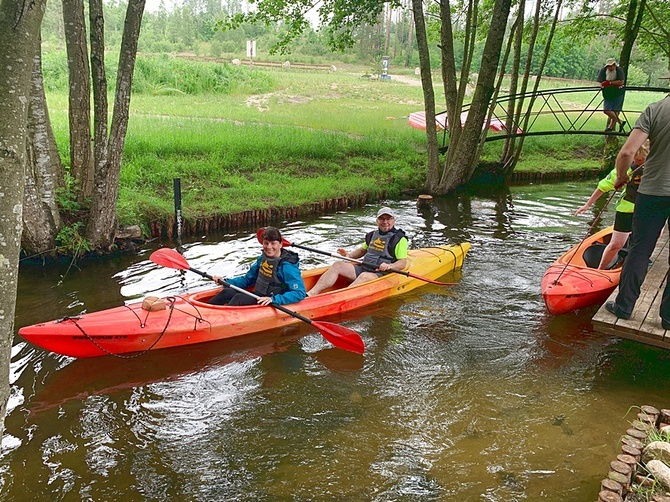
x: 329, y: 277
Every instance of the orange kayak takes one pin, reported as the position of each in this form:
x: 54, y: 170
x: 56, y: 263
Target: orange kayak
x: 573, y: 281
x: 187, y: 319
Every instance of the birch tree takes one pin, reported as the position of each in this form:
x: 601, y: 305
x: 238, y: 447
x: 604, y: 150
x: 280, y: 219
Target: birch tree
x: 19, y: 34
x: 44, y: 173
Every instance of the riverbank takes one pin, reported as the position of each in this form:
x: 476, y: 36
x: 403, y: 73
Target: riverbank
x: 166, y: 227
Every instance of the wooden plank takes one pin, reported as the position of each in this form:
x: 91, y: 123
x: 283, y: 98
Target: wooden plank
x: 645, y: 324
x: 663, y: 343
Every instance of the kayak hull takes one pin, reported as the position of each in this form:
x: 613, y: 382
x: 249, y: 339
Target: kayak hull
x: 188, y: 319
x: 570, y: 284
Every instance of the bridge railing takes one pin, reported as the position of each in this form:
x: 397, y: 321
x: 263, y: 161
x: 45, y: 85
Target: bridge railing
x: 566, y: 117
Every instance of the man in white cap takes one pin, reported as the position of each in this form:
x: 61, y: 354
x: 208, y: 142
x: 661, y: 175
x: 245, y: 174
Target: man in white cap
x: 384, y: 249
x: 611, y: 78
x: 652, y: 206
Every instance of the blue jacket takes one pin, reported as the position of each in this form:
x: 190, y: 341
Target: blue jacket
x: 288, y: 273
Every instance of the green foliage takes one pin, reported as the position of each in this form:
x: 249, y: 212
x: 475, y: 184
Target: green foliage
x: 66, y: 196
x: 164, y: 75
x: 70, y: 242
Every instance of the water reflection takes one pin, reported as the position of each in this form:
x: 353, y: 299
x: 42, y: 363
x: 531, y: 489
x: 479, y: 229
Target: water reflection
x: 465, y: 393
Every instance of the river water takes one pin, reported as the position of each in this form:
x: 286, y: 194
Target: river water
x: 472, y: 392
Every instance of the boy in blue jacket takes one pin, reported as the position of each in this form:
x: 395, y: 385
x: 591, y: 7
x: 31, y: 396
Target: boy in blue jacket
x: 275, y: 276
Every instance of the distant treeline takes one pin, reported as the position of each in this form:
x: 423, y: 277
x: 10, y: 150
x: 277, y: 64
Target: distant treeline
x: 193, y: 26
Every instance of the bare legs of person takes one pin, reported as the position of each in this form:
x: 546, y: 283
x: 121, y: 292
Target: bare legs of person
x: 612, y: 119
x: 617, y: 241
x: 337, y: 269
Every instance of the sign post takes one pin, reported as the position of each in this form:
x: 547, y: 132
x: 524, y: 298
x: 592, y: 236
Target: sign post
x: 385, y: 68
x: 251, y: 51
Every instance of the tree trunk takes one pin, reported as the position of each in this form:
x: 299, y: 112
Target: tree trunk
x: 19, y: 34
x: 44, y: 172
x: 387, y: 41
x: 102, y: 222
x: 427, y: 86
x: 633, y: 21
x: 81, y: 161
x: 511, y: 163
x: 514, y: 83
x: 410, y: 39
x: 462, y: 157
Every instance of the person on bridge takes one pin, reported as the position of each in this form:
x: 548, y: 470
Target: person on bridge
x: 612, y: 78
x: 623, y: 220
x: 384, y: 249
x: 275, y: 276
x: 652, y: 206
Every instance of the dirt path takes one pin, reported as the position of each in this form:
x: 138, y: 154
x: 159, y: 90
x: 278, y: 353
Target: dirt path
x: 406, y: 80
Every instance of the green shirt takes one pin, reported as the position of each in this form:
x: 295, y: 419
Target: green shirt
x: 607, y: 185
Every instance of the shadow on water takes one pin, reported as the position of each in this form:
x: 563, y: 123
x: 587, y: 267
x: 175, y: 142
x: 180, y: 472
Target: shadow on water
x: 82, y: 378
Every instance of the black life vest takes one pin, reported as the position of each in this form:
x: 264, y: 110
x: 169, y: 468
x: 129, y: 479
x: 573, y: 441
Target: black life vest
x: 381, y: 247
x: 268, y: 282
x: 633, y: 185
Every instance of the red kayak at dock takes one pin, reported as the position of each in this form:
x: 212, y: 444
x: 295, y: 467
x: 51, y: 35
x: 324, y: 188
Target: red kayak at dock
x: 573, y: 281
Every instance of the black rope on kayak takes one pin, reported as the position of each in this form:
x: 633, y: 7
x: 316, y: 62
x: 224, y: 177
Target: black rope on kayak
x: 198, y: 318
x: 426, y: 249
x: 593, y: 271
x: 171, y: 308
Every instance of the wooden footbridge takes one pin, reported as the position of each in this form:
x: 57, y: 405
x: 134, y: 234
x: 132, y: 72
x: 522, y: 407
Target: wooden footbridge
x: 644, y: 324
x: 557, y: 111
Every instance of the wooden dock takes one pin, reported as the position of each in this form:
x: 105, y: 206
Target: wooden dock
x: 645, y: 323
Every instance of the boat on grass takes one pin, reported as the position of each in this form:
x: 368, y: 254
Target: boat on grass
x: 574, y: 281
x: 187, y: 319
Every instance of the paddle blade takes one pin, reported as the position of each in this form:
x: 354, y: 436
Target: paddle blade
x: 166, y: 257
x: 343, y: 338
x: 261, y: 232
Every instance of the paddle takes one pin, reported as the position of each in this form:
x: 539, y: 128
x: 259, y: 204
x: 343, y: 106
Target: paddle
x: 259, y: 236
x: 597, y: 218
x: 339, y: 336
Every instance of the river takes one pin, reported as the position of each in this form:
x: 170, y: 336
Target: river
x: 471, y: 392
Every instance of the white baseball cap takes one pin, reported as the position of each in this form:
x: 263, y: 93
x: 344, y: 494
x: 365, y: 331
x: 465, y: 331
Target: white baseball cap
x: 386, y: 210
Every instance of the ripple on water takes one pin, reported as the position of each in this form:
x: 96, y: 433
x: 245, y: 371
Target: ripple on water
x: 464, y: 393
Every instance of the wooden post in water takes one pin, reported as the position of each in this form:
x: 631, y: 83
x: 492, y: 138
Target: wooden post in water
x: 424, y: 200
x: 177, y: 208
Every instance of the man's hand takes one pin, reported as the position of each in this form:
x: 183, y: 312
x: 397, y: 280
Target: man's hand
x: 619, y: 182
x: 605, y: 83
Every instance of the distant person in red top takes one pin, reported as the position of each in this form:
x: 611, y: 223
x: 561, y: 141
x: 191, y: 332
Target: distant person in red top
x: 611, y: 78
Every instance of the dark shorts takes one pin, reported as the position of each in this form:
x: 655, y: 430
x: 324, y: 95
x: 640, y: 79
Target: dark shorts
x: 359, y: 270
x: 623, y: 222
x: 615, y: 104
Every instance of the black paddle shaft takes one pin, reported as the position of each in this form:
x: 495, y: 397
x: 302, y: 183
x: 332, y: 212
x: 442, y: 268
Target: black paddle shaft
x: 249, y: 293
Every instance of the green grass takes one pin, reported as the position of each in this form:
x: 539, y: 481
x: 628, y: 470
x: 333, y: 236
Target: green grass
x: 271, y: 138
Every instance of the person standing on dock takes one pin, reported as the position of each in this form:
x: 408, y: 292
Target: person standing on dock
x: 652, y: 206
x: 384, y: 249
x: 612, y: 78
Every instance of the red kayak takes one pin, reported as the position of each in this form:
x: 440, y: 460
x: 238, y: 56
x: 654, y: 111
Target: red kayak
x: 573, y: 281
x: 186, y: 319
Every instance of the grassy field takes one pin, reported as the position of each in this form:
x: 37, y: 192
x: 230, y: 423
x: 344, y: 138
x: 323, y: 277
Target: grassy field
x: 306, y: 138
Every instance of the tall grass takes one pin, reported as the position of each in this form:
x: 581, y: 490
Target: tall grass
x: 164, y: 75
